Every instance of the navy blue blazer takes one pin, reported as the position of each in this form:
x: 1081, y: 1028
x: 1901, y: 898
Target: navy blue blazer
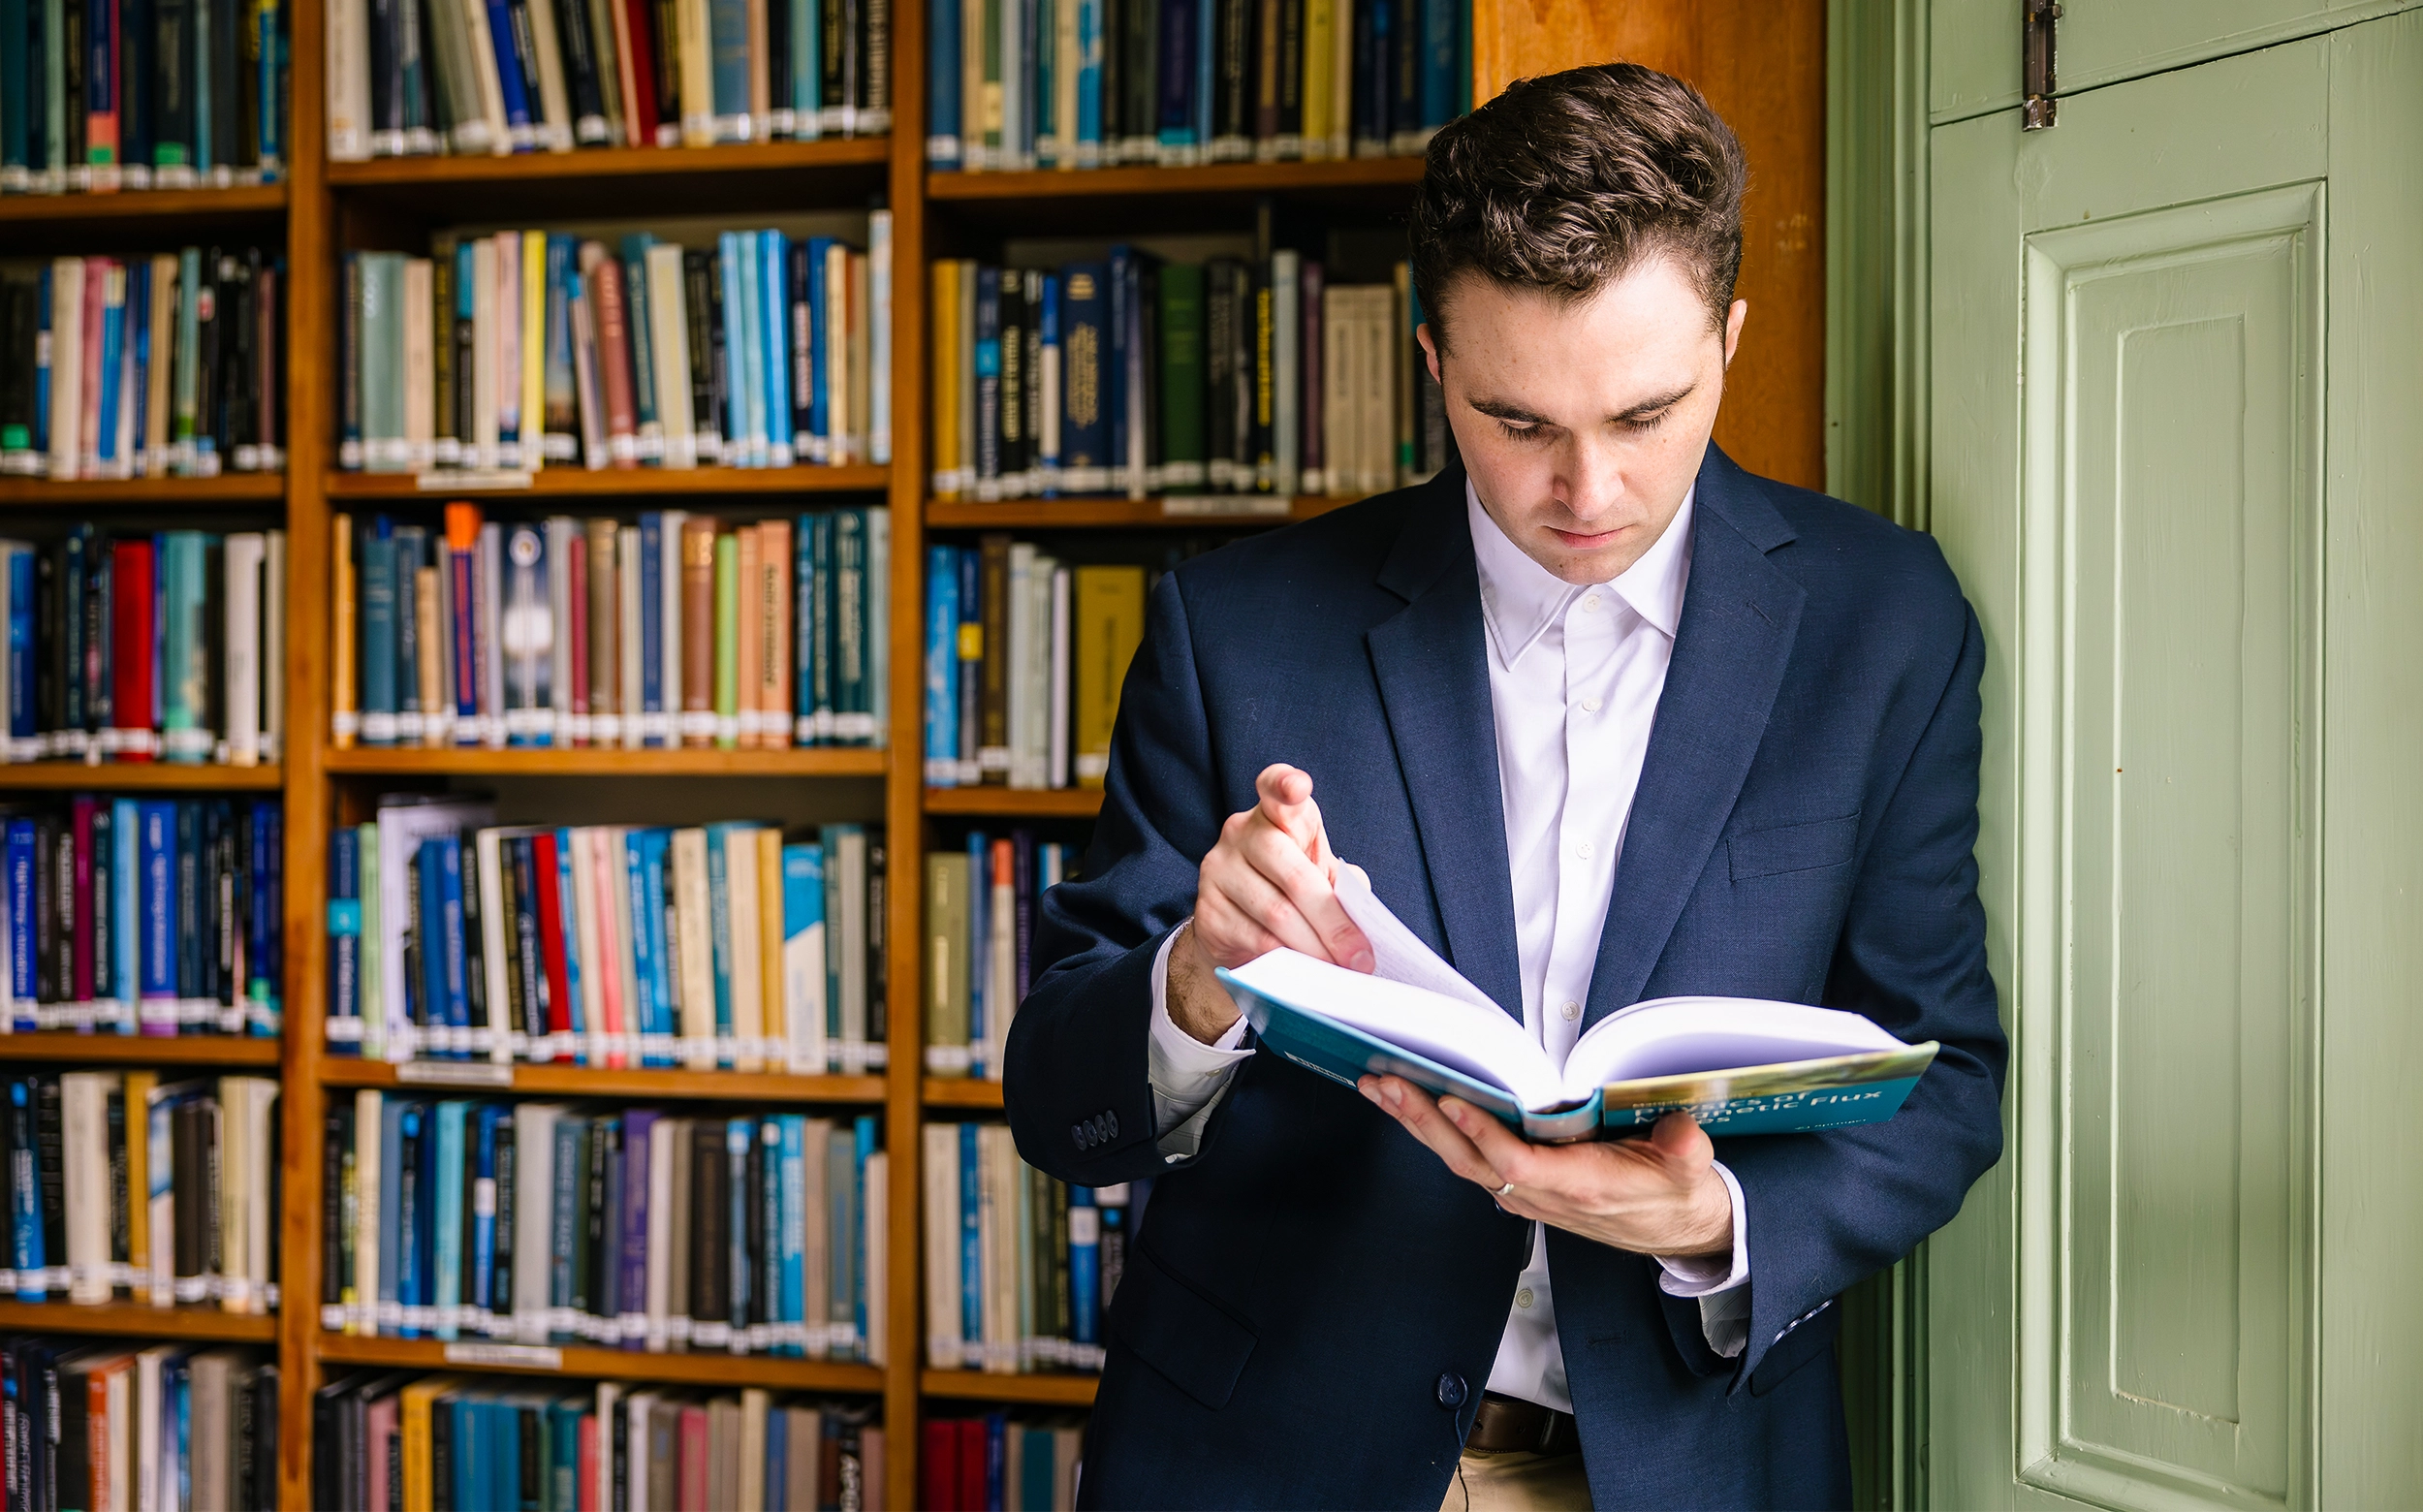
x: 1313, y: 1306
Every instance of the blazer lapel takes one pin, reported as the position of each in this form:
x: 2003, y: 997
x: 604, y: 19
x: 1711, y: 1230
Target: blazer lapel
x: 1740, y: 612
x: 1430, y: 659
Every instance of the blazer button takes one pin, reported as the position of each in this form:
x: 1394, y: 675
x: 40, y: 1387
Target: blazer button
x: 1077, y: 1135
x: 1451, y: 1389
x: 1111, y: 1124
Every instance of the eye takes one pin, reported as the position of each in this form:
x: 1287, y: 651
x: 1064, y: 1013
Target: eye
x: 1648, y: 422
x: 1514, y: 431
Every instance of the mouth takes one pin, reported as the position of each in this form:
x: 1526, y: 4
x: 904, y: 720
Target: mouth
x: 1579, y: 541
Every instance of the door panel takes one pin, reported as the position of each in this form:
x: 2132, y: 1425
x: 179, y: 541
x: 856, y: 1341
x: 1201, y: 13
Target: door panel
x: 1975, y: 42
x: 2174, y: 366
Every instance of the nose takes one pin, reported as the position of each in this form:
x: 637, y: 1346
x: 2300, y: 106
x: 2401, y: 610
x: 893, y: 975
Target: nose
x: 1591, y: 482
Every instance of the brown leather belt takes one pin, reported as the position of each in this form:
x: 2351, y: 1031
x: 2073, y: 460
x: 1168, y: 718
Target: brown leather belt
x: 1505, y: 1423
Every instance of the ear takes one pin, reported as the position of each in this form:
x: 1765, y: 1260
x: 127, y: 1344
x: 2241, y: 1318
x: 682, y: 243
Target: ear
x: 1430, y: 351
x: 1734, y: 319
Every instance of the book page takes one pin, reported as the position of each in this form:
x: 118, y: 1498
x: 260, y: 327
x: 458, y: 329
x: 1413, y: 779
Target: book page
x: 1398, y: 953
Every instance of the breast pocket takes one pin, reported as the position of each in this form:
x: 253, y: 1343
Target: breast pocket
x: 1782, y: 849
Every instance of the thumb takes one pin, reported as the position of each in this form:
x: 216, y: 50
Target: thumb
x: 1680, y: 1141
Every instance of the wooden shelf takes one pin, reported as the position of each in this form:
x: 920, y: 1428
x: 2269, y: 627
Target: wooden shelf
x: 611, y: 483
x: 149, y: 220
x: 688, y: 1369
x: 232, y: 1051
x: 145, y: 776
x: 1059, y: 1391
x: 1154, y: 514
x: 1392, y: 174
x: 778, y: 177
x: 180, y: 493
x: 963, y: 1091
x: 129, y: 1319
x: 822, y: 761
x: 1015, y: 803
x: 599, y: 1082
x: 250, y: 199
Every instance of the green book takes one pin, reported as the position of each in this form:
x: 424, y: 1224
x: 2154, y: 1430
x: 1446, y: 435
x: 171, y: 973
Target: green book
x: 727, y: 641
x: 185, y: 688
x: 1183, y: 454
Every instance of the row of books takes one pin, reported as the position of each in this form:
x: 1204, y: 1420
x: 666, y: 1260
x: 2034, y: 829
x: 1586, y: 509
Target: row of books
x: 152, y: 916
x: 1137, y: 376
x: 125, y: 1187
x: 604, y: 945
x: 1025, y: 655
x: 678, y: 630
x: 627, y: 1228
x: 998, y: 1462
x: 522, y: 350
x: 160, y: 646
x: 1093, y: 83
x: 1020, y: 1268
x: 100, y: 95
x: 980, y: 925
x: 387, y: 1441
x: 166, y: 367
x: 552, y: 75
x: 169, y: 1427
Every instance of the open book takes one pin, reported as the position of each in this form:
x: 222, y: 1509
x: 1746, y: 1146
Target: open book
x: 1739, y: 1065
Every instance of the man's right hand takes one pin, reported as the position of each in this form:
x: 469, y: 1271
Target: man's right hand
x: 1269, y: 882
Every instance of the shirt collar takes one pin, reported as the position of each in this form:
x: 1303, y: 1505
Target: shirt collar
x: 1520, y: 598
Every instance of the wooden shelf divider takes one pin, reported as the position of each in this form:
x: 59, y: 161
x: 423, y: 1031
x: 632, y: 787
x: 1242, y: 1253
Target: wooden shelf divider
x: 612, y: 163
x: 137, y: 1320
x: 148, y: 776
x: 774, y: 1371
x: 605, y: 482
x: 963, y: 1091
x: 234, y: 1052
x: 1050, y: 1391
x: 227, y: 490
x: 1182, y: 512
x: 1210, y: 178
x: 1015, y: 803
x: 108, y: 211
x: 828, y: 761
x: 454, y: 1077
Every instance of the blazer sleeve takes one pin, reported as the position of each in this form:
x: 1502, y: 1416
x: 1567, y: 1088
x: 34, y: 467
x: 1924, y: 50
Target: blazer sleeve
x: 1074, y: 1083
x: 1826, y: 1210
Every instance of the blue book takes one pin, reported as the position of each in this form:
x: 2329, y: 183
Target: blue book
x: 778, y: 1460
x: 378, y: 634
x: 1206, y: 57
x: 804, y: 936
x: 720, y: 934
x: 863, y: 1145
x: 472, y: 1451
x: 518, y: 91
x: 1738, y: 1065
x: 1115, y: 373
x: 452, y: 943
x: 663, y: 1022
x: 571, y: 942
x: 1085, y: 341
x: 979, y: 945
x: 773, y: 268
x: 446, y: 1215
x: 791, y: 1180
x: 269, y: 906
x: 971, y: 658
x: 942, y: 666
x: 806, y: 594
x: 21, y: 645
x: 800, y: 280
x: 563, y: 1457
x: 652, y: 628
x: 22, y: 947
x: 430, y: 1013
x: 943, y: 109
x: 484, y: 1300
x: 631, y: 1268
x: 42, y: 359
x: 988, y: 380
x: 820, y: 350
x: 971, y: 1249
x: 126, y: 887
x: 25, y: 1238
x: 728, y: 273
x: 392, y: 1245
x: 1174, y: 91
x: 345, y: 940
x: 1442, y: 55
x: 808, y: 72
x: 641, y: 1015
x: 412, y: 1221
x: 112, y: 357
x: 157, y: 862
x: 1085, y: 1259
x: 1047, y: 436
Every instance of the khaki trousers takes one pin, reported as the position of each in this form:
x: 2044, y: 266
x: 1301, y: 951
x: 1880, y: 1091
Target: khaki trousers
x: 1514, y: 1481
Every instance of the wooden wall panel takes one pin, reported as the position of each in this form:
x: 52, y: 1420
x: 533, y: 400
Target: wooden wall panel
x: 1762, y: 64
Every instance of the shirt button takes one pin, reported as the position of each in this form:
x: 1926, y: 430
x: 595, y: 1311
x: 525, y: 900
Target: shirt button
x: 1590, y: 604
x: 1590, y: 703
x: 1586, y: 850
x: 1571, y: 1011
x: 1523, y: 1298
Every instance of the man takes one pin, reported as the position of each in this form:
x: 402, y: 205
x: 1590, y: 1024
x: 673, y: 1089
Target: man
x: 1604, y: 718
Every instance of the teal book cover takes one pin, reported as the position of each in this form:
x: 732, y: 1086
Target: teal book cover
x: 447, y: 1219
x: 719, y: 840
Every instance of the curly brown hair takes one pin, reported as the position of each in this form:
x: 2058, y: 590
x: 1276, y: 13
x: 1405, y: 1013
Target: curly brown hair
x: 1564, y: 182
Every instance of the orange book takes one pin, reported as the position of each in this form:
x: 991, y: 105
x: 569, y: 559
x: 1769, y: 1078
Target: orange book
x: 749, y: 646
x: 345, y: 707
x: 772, y: 588
x: 698, y: 631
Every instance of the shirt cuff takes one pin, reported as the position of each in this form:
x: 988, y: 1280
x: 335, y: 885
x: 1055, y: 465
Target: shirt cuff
x: 1704, y: 1275
x: 1187, y: 1076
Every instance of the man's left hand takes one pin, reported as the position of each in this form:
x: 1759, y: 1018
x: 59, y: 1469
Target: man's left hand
x: 1654, y: 1196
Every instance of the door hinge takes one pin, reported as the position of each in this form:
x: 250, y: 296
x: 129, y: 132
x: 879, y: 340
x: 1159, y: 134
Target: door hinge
x: 2038, y: 109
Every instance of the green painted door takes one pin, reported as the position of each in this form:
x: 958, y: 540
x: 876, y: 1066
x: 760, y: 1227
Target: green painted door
x: 2175, y: 456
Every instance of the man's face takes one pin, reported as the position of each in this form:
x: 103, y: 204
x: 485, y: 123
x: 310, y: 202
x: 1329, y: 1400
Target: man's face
x: 1582, y: 425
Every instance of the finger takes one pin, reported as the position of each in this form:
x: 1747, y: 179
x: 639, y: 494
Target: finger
x: 1309, y: 890
x: 1286, y: 801
x: 1262, y: 902
x: 1229, y: 938
x: 1413, y: 1108
x: 1680, y: 1141
x: 1506, y: 1152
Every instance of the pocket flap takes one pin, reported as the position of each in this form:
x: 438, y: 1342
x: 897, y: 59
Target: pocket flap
x: 1792, y: 847
x: 1180, y: 1332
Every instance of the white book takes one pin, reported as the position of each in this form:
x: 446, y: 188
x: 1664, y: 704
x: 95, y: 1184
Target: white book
x: 660, y: 1236
x: 150, y: 1495
x: 804, y: 993
x: 996, y: 1248
x: 348, y: 64
x: 420, y: 375
x: 1057, y: 759
x: 666, y: 725
x: 694, y: 932
x: 67, y: 364
x: 273, y: 645
x: 484, y: 78
x: 876, y: 1245
x: 361, y: 1314
x: 488, y: 854
x: 669, y: 352
x: 940, y: 1172
x: 84, y: 1160
x: 242, y: 560
x: 118, y: 1401
x: 483, y: 376
x: 609, y: 1404
x: 636, y: 1408
x: 748, y: 977
x: 841, y: 423
x: 534, y: 1162
x: 628, y: 609
x: 879, y: 323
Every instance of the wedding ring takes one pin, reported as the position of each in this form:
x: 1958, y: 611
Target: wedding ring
x: 1506, y: 1190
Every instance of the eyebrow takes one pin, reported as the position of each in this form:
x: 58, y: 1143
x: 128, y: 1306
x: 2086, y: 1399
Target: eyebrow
x: 1508, y: 410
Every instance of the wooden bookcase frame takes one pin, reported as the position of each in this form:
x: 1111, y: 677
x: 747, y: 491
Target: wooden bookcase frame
x: 323, y: 206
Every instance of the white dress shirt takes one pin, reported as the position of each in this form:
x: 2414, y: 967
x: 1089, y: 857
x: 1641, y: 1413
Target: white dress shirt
x: 1574, y: 676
